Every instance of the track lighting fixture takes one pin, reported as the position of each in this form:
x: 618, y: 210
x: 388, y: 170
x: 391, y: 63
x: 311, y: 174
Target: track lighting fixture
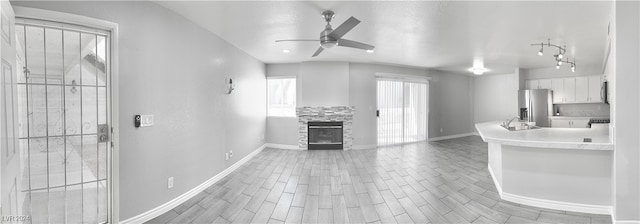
x: 572, y: 63
x: 558, y: 57
x: 540, y: 52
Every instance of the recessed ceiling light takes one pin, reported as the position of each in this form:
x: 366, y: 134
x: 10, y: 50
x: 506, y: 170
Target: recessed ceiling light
x: 286, y: 51
x: 370, y: 51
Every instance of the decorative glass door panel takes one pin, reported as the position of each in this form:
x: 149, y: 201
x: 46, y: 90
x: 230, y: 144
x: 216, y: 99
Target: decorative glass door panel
x: 63, y: 94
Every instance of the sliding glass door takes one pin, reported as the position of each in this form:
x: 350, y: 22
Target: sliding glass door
x: 402, y: 111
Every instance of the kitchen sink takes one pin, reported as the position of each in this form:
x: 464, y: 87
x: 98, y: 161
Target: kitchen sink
x: 519, y: 127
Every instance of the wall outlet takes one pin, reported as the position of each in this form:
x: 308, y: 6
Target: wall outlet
x: 230, y: 153
x: 441, y: 130
x: 226, y: 156
x: 170, y: 182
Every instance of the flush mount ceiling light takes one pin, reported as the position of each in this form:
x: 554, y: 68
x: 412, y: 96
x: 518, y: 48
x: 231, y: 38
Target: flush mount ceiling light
x: 286, y: 51
x: 478, y: 71
x: 558, y: 57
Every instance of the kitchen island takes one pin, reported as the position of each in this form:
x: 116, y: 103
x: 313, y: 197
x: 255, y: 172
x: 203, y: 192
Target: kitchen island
x: 551, y: 167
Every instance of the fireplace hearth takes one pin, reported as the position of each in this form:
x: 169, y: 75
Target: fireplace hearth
x: 325, y: 135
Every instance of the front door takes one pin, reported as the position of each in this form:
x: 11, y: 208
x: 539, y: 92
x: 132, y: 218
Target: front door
x: 64, y: 121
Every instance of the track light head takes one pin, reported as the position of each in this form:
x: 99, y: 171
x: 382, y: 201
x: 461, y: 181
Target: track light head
x: 540, y: 52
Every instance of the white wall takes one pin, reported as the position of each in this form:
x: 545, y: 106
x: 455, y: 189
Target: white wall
x: 175, y: 70
x: 625, y: 110
x: 450, y: 102
x: 323, y: 84
x: 495, y: 97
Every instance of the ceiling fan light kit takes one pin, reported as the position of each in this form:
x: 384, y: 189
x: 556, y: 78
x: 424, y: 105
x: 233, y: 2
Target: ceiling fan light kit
x: 558, y: 57
x: 330, y: 37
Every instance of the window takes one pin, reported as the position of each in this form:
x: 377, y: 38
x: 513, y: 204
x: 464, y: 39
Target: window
x: 281, y: 97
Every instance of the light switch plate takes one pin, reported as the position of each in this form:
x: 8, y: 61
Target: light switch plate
x: 146, y: 120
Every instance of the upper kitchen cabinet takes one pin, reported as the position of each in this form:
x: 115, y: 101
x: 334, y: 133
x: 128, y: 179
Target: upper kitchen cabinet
x: 569, y: 90
x: 588, y: 89
x: 557, y: 86
x: 539, y: 84
x: 564, y: 90
x: 581, y: 89
x: 595, y: 88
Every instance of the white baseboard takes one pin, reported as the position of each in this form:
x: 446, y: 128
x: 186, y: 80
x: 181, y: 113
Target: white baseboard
x: 558, y: 205
x: 283, y: 146
x: 495, y: 181
x: 614, y: 221
x: 157, y: 211
x: 295, y: 147
x: 626, y: 221
x: 358, y: 147
x: 451, y: 136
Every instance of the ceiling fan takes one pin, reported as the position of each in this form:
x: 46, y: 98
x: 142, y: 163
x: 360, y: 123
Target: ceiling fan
x: 333, y: 37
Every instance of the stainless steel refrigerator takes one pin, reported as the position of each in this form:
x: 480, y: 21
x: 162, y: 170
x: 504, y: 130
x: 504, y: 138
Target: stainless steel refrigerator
x: 536, y: 105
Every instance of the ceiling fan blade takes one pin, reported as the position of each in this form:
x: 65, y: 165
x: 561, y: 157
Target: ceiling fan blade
x: 297, y: 40
x: 344, y: 28
x: 318, y: 52
x: 354, y: 44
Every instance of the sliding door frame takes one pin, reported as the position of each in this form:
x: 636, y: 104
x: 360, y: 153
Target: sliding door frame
x: 404, y: 79
x: 78, y: 20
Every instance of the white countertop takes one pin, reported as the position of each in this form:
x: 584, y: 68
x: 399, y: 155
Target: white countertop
x: 564, y: 138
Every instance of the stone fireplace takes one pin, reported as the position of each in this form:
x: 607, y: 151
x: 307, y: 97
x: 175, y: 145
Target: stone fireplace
x: 322, y: 119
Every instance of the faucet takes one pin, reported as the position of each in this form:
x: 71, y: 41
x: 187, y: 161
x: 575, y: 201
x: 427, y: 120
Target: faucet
x: 508, y: 122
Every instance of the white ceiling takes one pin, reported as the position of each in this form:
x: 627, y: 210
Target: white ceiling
x: 444, y: 35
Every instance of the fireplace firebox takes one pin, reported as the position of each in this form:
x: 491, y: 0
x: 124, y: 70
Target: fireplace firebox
x: 325, y: 135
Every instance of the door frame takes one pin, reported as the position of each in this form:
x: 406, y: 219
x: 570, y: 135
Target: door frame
x: 61, y: 17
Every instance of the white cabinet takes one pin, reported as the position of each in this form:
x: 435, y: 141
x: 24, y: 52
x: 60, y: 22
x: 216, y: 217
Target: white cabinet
x: 595, y: 85
x: 538, y: 84
x: 560, y: 123
x: 569, y: 90
x: 557, y: 86
x: 532, y: 84
x: 569, y: 123
x: 582, y: 123
x: 582, y: 89
x: 544, y: 84
x: 588, y: 89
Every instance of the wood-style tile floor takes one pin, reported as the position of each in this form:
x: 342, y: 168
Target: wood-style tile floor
x: 436, y: 182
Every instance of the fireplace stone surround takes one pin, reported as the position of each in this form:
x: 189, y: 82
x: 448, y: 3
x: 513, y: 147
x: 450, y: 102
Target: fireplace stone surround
x: 324, y: 114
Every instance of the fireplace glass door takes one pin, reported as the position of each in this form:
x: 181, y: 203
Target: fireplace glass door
x: 325, y: 135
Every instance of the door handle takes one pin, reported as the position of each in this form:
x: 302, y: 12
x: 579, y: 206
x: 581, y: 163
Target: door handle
x: 377, y: 113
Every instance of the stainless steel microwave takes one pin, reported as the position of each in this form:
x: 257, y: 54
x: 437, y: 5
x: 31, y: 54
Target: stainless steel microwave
x: 604, y: 92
